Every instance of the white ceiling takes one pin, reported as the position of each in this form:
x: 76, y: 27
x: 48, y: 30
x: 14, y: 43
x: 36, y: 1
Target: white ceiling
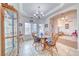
x: 45, y: 7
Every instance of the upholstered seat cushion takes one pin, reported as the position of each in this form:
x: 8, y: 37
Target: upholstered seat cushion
x: 36, y: 39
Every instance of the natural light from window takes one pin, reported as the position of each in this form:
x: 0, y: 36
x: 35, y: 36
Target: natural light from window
x: 27, y: 28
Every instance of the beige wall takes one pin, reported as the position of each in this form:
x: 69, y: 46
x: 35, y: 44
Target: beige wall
x: 78, y: 24
x: 58, y: 22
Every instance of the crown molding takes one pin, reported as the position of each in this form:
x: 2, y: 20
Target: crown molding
x: 55, y: 9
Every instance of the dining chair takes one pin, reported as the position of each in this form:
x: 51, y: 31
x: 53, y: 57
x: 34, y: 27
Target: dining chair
x: 50, y: 47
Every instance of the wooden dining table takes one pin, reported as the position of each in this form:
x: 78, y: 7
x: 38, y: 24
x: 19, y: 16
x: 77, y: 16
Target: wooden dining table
x: 44, y: 42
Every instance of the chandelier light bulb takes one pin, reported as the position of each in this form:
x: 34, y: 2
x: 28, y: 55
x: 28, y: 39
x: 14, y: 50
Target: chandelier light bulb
x: 41, y: 12
x: 43, y: 15
x: 34, y: 14
x: 38, y: 13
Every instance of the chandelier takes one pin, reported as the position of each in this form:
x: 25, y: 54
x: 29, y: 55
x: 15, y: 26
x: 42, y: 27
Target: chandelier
x: 38, y: 13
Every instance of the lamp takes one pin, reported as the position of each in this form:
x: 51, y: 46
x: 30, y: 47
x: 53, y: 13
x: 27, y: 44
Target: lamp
x: 38, y: 13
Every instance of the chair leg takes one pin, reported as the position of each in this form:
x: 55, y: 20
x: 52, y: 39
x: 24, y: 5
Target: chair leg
x: 56, y: 50
x: 50, y: 51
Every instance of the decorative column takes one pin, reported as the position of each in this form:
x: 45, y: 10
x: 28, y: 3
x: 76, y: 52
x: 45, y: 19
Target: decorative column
x: 19, y: 28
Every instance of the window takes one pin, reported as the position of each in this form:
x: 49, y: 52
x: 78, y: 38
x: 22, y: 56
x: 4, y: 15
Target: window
x: 34, y: 28
x: 27, y: 28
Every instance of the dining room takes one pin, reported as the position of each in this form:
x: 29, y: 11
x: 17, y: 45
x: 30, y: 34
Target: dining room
x: 39, y: 29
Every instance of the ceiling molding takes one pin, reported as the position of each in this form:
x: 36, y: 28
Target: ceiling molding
x: 55, y: 9
x: 64, y: 10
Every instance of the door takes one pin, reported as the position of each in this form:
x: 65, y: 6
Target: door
x: 9, y: 30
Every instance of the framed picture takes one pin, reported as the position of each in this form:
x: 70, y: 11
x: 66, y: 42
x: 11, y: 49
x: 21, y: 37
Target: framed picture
x: 31, y: 21
x: 46, y: 25
x: 20, y: 24
x: 66, y: 26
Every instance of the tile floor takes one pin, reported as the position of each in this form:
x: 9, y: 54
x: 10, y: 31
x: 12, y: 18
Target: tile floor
x: 27, y: 49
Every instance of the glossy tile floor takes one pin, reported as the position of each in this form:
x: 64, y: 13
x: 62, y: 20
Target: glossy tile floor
x: 27, y: 49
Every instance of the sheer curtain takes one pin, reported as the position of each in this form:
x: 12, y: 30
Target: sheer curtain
x: 27, y: 28
x: 32, y: 28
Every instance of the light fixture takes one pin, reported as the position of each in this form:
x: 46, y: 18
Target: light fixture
x: 64, y: 17
x: 38, y: 13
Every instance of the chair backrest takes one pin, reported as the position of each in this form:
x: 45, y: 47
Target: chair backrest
x: 36, y: 39
x: 55, y: 38
x: 33, y: 35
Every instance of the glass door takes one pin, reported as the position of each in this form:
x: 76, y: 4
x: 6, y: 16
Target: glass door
x: 10, y: 29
